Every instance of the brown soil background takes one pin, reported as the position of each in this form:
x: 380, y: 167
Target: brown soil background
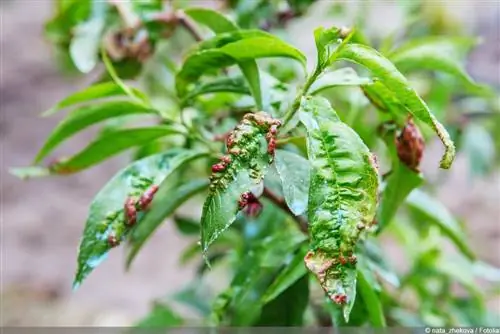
x: 42, y: 220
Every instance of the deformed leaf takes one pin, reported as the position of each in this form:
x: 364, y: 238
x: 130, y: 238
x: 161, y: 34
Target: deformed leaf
x: 342, y: 77
x: 214, y: 20
x: 169, y: 197
x: 294, y: 172
x: 110, y: 144
x: 86, y: 116
x: 437, y: 214
x: 389, y: 76
x: 107, y: 221
x: 241, y: 170
x: 342, y: 199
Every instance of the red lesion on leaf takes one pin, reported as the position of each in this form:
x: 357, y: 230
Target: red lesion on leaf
x: 113, y: 241
x: 219, y: 167
x: 130, y: 211
x: 147, y: 197
x: 340, y: 299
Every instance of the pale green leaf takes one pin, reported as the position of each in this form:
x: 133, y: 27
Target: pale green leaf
x: 294, y: 172
x: 371, y: 300
x: 342, y: 77
x: 161, y: 316
x: 437, y: 214
x: 214, y: 20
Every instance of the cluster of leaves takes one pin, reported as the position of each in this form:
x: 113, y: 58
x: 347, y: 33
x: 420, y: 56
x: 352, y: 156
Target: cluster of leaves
x: 295, y: 200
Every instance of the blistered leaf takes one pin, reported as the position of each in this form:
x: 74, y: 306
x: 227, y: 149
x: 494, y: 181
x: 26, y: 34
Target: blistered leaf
x: 107, y: 218
x: 294, y: 172
x: 84, y: 47
x: 169, y: 197
x: 371, y: 300
x: 390, y: 77
x: 161, y: 316
x: 292, y: 272
x: 437, y: 214
x: 229, y: 49
x: 86, y: 116
x: 342, y: 77
x: 110, y: 144
x: 342, y: 198
x: 439, y: 53
x: 214, y: 20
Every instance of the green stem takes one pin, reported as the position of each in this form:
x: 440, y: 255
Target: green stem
x: 296, y: 103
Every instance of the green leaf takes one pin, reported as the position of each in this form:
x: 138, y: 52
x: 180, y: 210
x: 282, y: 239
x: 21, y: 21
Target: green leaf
x: 342, y: 77
x: 342, y: 198
x: 187, y: 226
x: 479, y: 146
x: 325, y: 39
x: 160, y: 316
x: 229, y: 49
x: 288, y: 308
x: 294, y: 172
x: 134, y: 94
x: 86, y: 116
x: 292, y: 272
x: 106, y: 214
x: 390, y: 77
x: 251, y: 71
x: 249, y: 160
x: 97, y: 91
x: 169, y: 197
x: 371, y: 300
x: 437, y: 214
x: 214, y: 20
x: 229, y: 85
x: 84, y: 47
x: 439, y: 53
x: 110, y: 144
x: 400, y: 183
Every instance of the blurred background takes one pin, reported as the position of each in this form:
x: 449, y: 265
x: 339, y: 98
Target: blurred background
x: 42, y: 220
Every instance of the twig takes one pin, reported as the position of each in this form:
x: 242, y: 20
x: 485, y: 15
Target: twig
x: 280, y: 202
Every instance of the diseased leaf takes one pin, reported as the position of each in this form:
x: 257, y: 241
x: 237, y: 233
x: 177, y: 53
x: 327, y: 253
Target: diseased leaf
x: 84, y: 47
x: 244, y: 168
x: 437, y: 214
x: 110, y: 144
x: 169, y: 197
x: 106, y: 214
x: 342, y: 199
x: 371, y: 301
x: 439, y: 53
x: 214, y: 20
x: 390, y: 77
x: 229, y: 49
x: 25, y: 173
x: 86, y: 116
x: 294, y: 172
x: 161, y: 316
x: 292, y: 272
x: 342, y: 77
